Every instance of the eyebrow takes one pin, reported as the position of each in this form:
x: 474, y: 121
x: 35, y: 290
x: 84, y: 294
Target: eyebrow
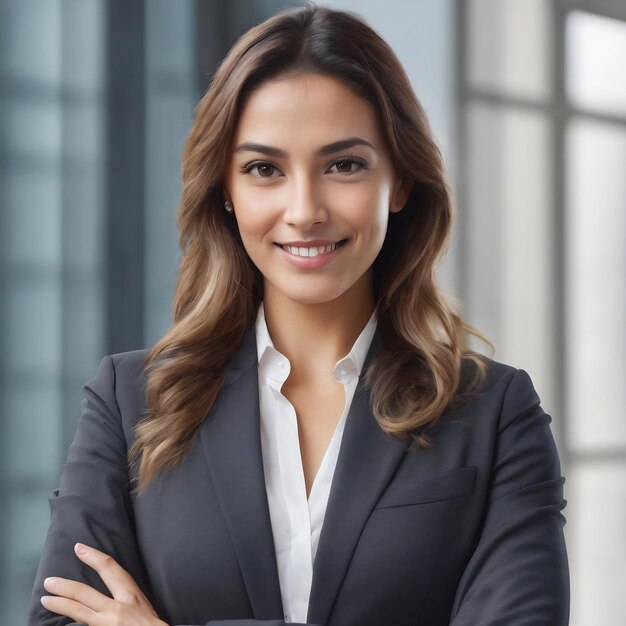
x: 330, y: 148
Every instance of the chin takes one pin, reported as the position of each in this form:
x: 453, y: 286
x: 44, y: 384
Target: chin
x: 312, y: 298
x: 307, y: 294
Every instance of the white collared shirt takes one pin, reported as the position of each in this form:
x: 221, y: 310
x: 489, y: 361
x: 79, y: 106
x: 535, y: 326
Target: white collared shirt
x: 296, y: 521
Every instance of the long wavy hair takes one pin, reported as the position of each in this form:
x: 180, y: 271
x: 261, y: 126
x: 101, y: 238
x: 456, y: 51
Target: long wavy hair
x: 425, y: 366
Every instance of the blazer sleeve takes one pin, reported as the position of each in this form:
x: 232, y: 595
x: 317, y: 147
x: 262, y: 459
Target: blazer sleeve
x: 518, y: 573
x: 92, y: 504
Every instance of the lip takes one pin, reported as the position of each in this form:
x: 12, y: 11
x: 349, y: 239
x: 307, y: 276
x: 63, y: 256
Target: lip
x: 311, y: 243
x: 311, y: 262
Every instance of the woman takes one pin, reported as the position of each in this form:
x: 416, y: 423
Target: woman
x: 313, y: 440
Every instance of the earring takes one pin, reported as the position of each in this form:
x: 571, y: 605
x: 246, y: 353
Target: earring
x: 228, y: 206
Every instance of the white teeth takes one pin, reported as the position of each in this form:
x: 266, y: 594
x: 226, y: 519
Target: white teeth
x: 298, y: 251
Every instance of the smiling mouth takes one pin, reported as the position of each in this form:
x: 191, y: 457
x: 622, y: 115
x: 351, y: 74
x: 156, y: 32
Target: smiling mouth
x: 312, y: 251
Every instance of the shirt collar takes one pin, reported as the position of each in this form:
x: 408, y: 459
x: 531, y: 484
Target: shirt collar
x: 276, y: 365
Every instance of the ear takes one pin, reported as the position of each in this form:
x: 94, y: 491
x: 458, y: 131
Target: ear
x: 402, y: 191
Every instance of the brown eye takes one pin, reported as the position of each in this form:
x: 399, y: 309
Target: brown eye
x: 344, y: 166
x: 264, y: 170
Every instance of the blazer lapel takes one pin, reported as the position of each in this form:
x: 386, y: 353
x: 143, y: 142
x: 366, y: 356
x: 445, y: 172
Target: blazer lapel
x: 232, y: 445
x: 366, y: 462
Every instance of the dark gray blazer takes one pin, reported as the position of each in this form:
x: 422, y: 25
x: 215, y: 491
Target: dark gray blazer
x: 468, y: 532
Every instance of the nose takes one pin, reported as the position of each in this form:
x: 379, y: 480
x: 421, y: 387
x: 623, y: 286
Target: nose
x: 305, y: 206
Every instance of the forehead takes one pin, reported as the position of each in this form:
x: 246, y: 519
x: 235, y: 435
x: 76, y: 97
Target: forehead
x: 307, y: 107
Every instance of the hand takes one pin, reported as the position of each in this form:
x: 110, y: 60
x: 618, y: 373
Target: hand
x: 128, y: 607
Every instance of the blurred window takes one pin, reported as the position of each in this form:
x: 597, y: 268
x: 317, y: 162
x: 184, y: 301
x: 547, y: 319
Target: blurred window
x: 509, y: 47
x: 96, y: 99
x: 51, y: 261
x: 596, y: 62
x: 595, y: 261
x: 596, y: 276
x: 542, y: 187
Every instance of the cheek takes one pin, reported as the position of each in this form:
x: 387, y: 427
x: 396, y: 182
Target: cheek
x: 255, y: 217
x: 368, y: 212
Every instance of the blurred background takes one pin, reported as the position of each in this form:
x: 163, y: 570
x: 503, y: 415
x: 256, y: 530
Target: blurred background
x: 527, y: 99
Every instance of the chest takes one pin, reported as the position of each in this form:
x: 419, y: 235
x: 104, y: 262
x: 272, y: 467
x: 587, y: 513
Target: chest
x: 205, y: 535
x: 318, y: 409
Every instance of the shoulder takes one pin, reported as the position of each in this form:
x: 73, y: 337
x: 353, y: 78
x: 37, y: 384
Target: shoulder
x: 497, y: 375
x: 507, y: 390
x: 119, y: 381
x: 502, y: 417
x: 129, y: 364
x: 121, y: 370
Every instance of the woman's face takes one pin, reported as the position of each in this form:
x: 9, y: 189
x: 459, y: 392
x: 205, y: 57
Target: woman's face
x: 312, y: 185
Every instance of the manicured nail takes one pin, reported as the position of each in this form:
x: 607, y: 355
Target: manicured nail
x: 45, y: 600
x: 80, y: 548
x: 49, y: 583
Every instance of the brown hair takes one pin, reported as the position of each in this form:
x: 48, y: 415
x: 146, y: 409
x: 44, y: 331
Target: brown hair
x: 418, y: 373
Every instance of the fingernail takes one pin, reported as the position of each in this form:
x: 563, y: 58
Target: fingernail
x: 49, y: 583
x: 80, y: 548
x: 44, y: 599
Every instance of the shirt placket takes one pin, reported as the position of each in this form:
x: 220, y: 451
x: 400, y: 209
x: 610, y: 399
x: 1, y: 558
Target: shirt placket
x: 294, y: 493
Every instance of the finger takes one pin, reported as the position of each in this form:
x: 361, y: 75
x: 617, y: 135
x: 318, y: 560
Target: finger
x: 78, y: 591
x: 70, y: 608
x: 119, y: 582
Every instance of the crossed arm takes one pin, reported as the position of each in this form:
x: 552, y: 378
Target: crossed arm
x: 516, y: 575
x: 102, y: 587
x: 128, y: 606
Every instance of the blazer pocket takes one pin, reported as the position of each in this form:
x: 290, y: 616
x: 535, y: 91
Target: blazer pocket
x: 406, y: 491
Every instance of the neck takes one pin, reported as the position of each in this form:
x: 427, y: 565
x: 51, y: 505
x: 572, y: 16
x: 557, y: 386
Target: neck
x: 315, y: 336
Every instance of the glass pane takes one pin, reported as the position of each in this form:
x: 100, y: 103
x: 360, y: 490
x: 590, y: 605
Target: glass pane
x: 596, y: 72
x: 25, y: 524
x: 596, y: 543
x: 32, y: 213
x: 171, y: 97
x: 509, y: 238
x: 31, y: 22
x: 51, y: 249
x: 596, y: 284
x: 33, y: 426
x: 509, y: 46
